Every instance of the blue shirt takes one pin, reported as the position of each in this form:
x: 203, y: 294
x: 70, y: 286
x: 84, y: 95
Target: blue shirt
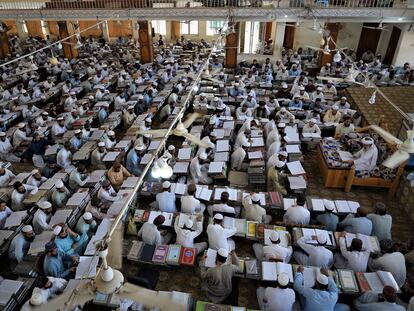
x: 76, y: 143
x: 294, y: 73
x: 65, y: 245
x: 132, y: 163
x: 102, y: 115
x: 293, y: 104
x: 53, y: 266
x: 381, y: 226
x: 315, y: 299
x: 18, y: 248
x: 330, y: 221
x: 354, y: 224
x: 235, y: 92
x: 166, y: 202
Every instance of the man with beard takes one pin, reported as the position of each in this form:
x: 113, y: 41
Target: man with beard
x: 60, y: 195
x: 66, y: 239
x: 129, y: 117
x: 134, y: 158
x: 78, y: 178
x: 49, y: 287
x: 42, y: 217
x: 36, y: 178
x: 51, y: 168
x: 6, y: 149
x: 97, y: 156
x: 85, y: 227
x: 110, y: 140
x: 58, y: 128
x: 53, y: 264
x: 20, y: 192
x: 21, y: 243
x: 5, y: 176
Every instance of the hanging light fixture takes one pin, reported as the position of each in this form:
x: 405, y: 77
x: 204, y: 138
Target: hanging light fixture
x: 373, y: 98
x: 78, y: 44
x: 337, y: 57
x: 322, y: 42
x: 166, y: 171
x: 53, y: 60
x: 156, y: 171
x: 59, y: 46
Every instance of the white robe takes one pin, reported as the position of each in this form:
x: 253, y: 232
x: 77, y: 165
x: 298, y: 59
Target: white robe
x: 366, y: 160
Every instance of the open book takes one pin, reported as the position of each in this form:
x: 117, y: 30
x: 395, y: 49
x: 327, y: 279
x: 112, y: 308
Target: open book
x: 271, y: 270
x: 369, y: 243
x: 375, y: 281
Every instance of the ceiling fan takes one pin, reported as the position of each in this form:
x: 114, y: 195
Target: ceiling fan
x: 181, y: 130
x: 404, y: 148
x: 379, y: 27
x: 109, y: 281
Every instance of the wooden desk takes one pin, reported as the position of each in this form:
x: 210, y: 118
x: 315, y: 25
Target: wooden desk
x: 332, y: 178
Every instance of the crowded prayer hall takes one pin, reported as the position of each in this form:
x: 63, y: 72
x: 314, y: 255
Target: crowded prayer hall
x: 207, y: 155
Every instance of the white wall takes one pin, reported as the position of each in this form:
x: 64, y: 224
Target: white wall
x: 405, y: 49
x: 349, y: 35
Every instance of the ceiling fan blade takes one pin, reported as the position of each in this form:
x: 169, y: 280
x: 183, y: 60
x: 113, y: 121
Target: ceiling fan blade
x: 149, y: 298
x: 70, y: 299
x: 313, y: 47
x: 330, y: 79
x: 369, y: 27
x: 115, y: 248
x: 387, y: 136
x: 396, y: 159
x: 196, y: 141
x: 191, y: 118
x: 157, y: 132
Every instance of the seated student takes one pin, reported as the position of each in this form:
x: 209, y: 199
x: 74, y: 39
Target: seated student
x: 5, y: 176
x: 216, y: 282
x: 357, y: 223
x: 371, y: 301
x: 238, y: 157
x: 151, y: 233
x: 253, y: 211
x: 323, y: 296
x: 66, y: 239
x: 54, y: 263
x: 297, y: 214
x: 345, y: 127
x: 274, y: 251
x: 354, y: 258
x: 64, y: 156
x: 166, y: 199
x: 314, y: 254
x: 49, y: 287
x: 36, y: 178
x: 366, y: 158
x: 332, y: 115
x: 189, y: 204
x: 5, y: 212
x: 50, y: 168
x: 391, y: 261
x: 186, y: 234
x: 20, y: 244
x: 218, y: 236
x: 328, y: 219
x: 60, y: 195
x: 20, y: 192
x: 222, y: 207
x: 276, y: 178
x: 117, y: 174
x: 6, y: 149
x: 107, y: 193
x: 85, y: 227
x: 280, y: 298
x: 78, y: 177
x: 311, y: 127
x: 381, y: 222
x: 261, y: 111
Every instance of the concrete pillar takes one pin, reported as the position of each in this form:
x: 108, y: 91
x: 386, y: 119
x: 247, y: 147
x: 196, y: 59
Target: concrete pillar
x: 175, y: 30
x: 145, y: 41
x: 4, y: 43
x: 21, y: 29
x: 333, y: 33
x: 232, y: 43
x: 278, y: 39
x: 105, y: 30
x: 135, y: 32
x: 65, y: 30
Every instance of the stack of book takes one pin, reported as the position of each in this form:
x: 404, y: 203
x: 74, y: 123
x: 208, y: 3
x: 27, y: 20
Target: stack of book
x: 257, y: 172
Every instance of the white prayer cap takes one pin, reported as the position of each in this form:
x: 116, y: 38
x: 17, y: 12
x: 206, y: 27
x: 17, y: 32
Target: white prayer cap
x: 321, y: 238
x: 59, y: 184
x: 343, y: 97
x: 2, y: 134
x: 139, y: 147
x: 35, y: 171
x: 322, y: 279
x: 36, y: 299
x: 101, y: 144
x: 335, y: 107
x: 223, y: 252
x: 330, y: 81
x: 296, y: 96
x: 281, y: 125
x: 147, y: 135
x: 329, y: 205
x: 236, y: 77
x: 246, y: 144
x: 27, y: 228
x: 111, y: 133
x: 236, y: 84
x: 57, y: 230
x: 283, y: 109
x: 171, y: 147
x: 283, y: 153
x: 301, y: 88
x: 212, y: 122
x: 202, y: 95
x: 91, y: 97
x: 73, y: 110
x: 60, y: 119
x: 166, y: 184
x: 21, y: 125
x: 105, y: 105
x: 45, y: 205
x: 319, y: 88
x: 284, y: 86
x: 87, y: 216
x: 189, y: 223
x: 140, y: 96
x: 203, y: 156
x: 313, y: 120
x: 72, y: 93
x: 218, y: 216
x: 213, y: 134
x: 24, y: 91
x: 78, y: 131
x: 148, y: 120
x: 280, y: 164
x: 44, y: 113
x: 367, y: 141
x: 274, y: 236
x: 255, y: 197
x: 130, y: 107
x: 283, y: 279
x: 216, y: 99
x: 328, y: 64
